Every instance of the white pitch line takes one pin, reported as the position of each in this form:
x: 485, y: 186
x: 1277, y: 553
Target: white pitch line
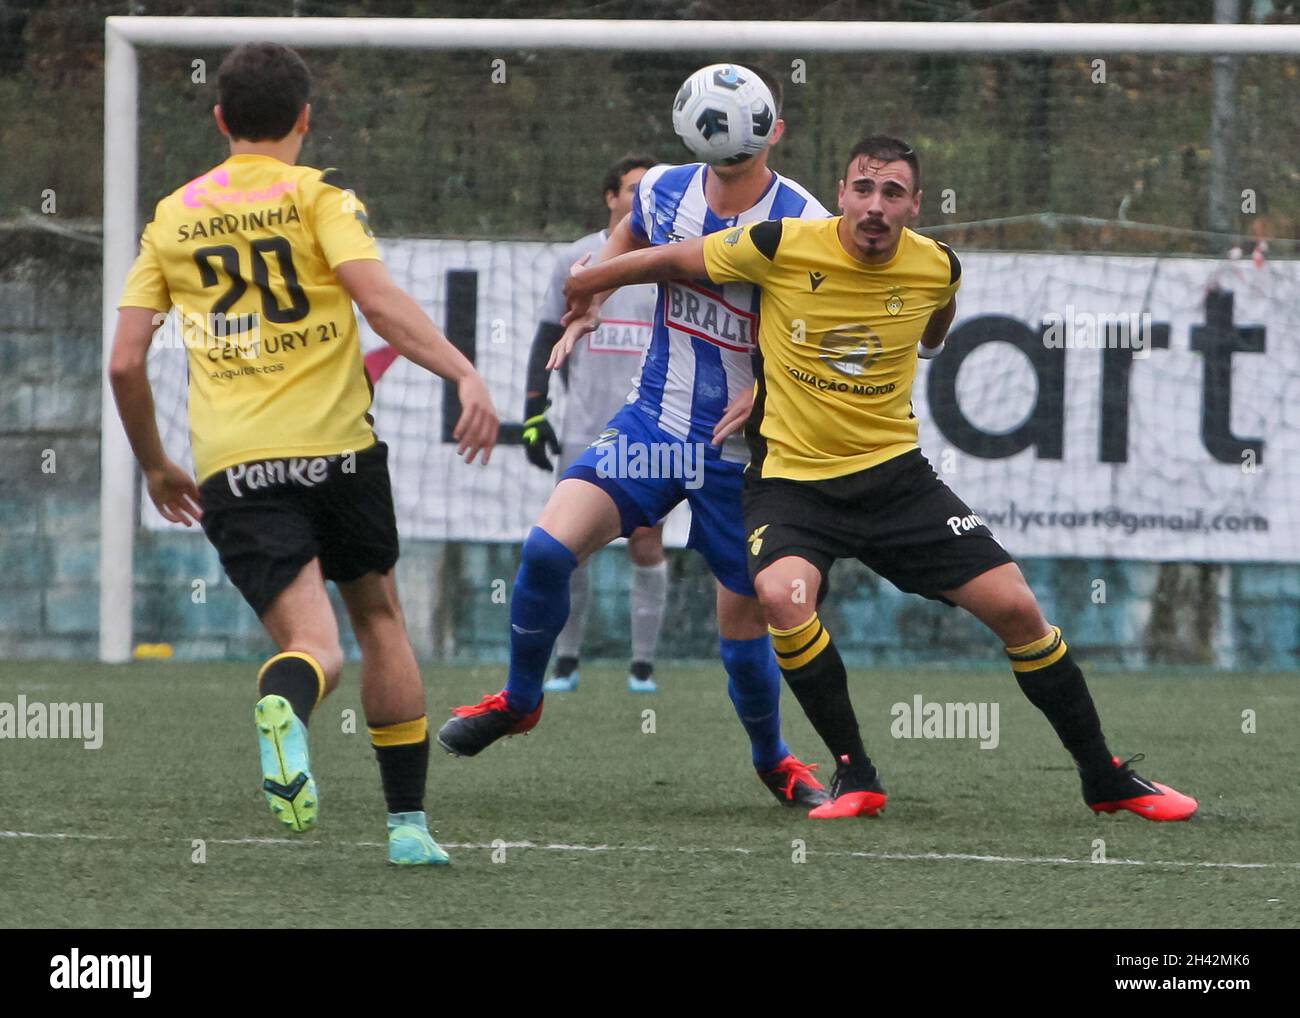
x: 472, y: 846
x: 1060, y: 860
x: 562, y: 847
x: 1008, y: 860
x: 79, y: 837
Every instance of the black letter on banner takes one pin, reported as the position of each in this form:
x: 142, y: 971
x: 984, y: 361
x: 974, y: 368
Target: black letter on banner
x: 1043, y: 429
x: 462, y: 321
x: 1218, y: 339
x: 1116, y: 363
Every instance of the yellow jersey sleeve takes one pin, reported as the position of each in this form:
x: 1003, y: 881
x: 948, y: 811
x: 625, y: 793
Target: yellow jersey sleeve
x: 340, y: 221
x: 742, y: 254
x: 146, y: 286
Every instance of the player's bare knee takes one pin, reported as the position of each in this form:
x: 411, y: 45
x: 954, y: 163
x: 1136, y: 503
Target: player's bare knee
x: 765, y: 588
x: 645, y: 548
x: 381, y: 611
x: 379, y: 629
x: 645, y: 559
x: 776, y: 591
x: 1017, y: 618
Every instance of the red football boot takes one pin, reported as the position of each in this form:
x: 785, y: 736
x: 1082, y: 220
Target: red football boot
x: 853, y: 794
x: 793, y: 784
x: 477, y: 726
x: 1126, y: 789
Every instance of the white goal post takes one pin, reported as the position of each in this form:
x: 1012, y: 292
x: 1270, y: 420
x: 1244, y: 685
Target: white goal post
x: 118, y: 479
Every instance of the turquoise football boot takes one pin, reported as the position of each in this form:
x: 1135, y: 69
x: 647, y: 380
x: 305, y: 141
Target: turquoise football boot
x: 286, y: 768
x: 641, y: 678
x: 561, y: 683
x: 411, y: 844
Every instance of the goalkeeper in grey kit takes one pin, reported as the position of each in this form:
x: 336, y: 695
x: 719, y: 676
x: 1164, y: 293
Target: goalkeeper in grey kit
x: 598, y: 378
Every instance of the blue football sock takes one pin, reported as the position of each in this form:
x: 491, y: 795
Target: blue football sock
x: 539, y: 607
x: 754, y: 684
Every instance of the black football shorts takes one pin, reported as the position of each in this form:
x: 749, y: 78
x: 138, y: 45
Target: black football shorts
x: 897, y: 518
x: 269, y: 518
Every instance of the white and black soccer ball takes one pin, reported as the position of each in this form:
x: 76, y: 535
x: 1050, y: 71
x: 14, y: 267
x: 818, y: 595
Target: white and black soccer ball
x: 724, y: 113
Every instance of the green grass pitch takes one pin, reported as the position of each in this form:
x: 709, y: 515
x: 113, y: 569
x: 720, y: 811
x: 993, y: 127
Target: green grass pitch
x: 606, y: 825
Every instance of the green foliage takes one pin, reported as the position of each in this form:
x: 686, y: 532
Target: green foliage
x: 437, y: 146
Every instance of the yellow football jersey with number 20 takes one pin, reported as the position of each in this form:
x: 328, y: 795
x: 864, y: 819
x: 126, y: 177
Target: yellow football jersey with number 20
x: 246, y: 252
x: 837, y: 342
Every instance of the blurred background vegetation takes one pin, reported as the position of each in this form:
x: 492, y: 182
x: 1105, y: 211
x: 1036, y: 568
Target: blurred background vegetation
x: 1025, y: 144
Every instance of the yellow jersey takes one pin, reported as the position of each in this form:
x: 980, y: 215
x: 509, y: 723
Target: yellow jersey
x: 246, y: 253
x: 837, y: 342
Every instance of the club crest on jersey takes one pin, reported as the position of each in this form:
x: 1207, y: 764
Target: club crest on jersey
x: 733, y: 236
x: 894, y: 304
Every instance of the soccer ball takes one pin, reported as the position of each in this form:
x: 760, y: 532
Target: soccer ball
x: 724, y: 113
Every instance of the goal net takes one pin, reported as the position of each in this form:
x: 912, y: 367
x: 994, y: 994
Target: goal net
x: 1122, y: 375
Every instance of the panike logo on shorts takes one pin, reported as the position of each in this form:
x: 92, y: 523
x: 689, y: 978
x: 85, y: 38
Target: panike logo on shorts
x: 960, y: 524
x: 306, y: 472
x: 692, y: 309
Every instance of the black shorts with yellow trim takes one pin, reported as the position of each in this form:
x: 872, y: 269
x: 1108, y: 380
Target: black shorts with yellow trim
x: 269, y: 518
x: 897, y: 518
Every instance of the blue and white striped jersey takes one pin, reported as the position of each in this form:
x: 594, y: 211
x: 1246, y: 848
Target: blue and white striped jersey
x: 705, y: 334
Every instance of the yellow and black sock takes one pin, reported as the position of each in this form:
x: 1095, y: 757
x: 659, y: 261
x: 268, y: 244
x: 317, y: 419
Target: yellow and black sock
x: 402, y: 750
x: 815, y: 673
x: 297, y: 677
x: 1054, y: 684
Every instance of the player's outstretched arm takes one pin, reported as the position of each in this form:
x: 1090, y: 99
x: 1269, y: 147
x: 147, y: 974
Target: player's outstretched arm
x: 684, y: 260
x: 583, y: 314
x: 404, y: 325
x: 171, y: 488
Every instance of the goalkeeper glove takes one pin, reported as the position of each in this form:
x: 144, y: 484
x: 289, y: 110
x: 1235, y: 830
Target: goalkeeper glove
x: 538, y: 435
